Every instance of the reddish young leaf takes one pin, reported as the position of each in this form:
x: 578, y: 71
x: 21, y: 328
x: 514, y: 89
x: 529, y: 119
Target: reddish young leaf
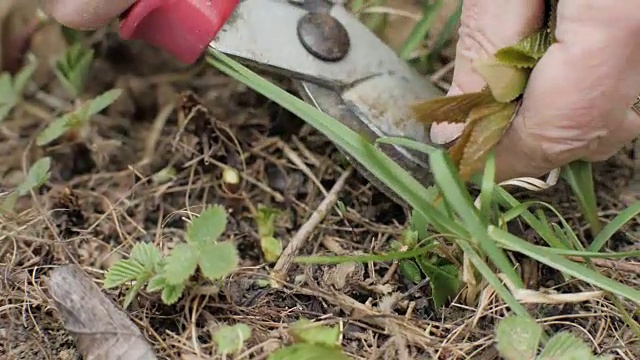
x: 457, y: 150
x: 485, y: 134
x: 506, y: 82
x: 450, y: 109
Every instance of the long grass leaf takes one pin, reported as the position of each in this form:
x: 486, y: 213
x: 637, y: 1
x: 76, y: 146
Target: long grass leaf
x: 614, y: 225
x: 452, y: 189
x: 544, y: 256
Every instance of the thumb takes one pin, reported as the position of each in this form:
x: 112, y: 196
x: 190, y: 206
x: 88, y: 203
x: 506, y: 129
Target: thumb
x: 86, y: 14
x: 486, y: 26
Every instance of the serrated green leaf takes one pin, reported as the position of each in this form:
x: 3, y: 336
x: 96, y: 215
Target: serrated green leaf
x: 157, y: 282
x: 180, y: 264
x: 21, y: 79
x: 147, y: 255
x: 271, y: 248
x: 230, y: 339
x: 409, y: 238
x: 306, y: 331
x: 208, y: 226
x: 121, y: 272
x: 410, y: 270
x: 485, y: 133
x: 527, y: 51
x: 518, y: 338
x: 172, y: 293
x: 8, y: 98
x: 506, y: 82
x: 565, y: 346
x: 451, y: 109
x: 419, y: 224
x: 54, y: 130
x: 38, y: 174
x: 443, y: 280
x: 217, y: 260
x: 265, y: 220
x: 73, y: 67
x: 308, y: 352
x: 131, y: 294
x: 103, y: 101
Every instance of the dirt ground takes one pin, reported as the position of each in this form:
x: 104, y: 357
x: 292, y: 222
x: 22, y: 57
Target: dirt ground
x: 102, y: 198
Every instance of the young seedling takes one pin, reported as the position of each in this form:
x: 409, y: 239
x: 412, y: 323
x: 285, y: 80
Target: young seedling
x: 72, y: 68
x: 171, y: 274
x: 443, y: 276
x: 38, y: 175
x: 518, y: 338
x: 271, y: 246
x: 12, y: 88
x: 230, y: 339
x: 77, y: 122
x: 311, y: 341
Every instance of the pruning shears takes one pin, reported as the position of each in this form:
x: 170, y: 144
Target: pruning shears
x: 336, y: 63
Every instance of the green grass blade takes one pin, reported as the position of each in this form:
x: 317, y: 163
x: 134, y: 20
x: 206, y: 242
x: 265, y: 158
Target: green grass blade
x: 544, y: 256
x: 578, y: 175
x: 487, y: 188
x: 378, y: 163
x: 452, y: 190
x: 614, y: 225
x: 410, y: 254
x: 547, y: 234
x: 420, y: 30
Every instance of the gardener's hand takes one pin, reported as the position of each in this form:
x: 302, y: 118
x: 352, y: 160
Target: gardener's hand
x: 577, y: 102
x: 85, y: 14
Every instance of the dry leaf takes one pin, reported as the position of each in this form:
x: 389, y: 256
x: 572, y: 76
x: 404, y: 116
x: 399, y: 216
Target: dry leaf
x: 101, y: 331
x: 506, y: 82
x: 451, y: 109
x: 484, y: 135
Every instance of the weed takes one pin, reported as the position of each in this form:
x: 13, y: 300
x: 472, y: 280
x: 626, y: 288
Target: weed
x: 12, y: 88
x: 38, y: 175
x: 518, y: 338
x: 170, y: 274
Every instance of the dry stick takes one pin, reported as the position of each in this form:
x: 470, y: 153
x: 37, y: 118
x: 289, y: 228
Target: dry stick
x: 628, y: 267
x: 279, y: 272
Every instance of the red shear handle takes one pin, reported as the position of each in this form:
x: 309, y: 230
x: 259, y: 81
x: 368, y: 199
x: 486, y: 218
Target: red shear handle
x: 183, y: 28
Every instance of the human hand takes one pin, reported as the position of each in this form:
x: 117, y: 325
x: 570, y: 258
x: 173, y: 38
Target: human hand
x: 86, y: 14
x: 578, y: 98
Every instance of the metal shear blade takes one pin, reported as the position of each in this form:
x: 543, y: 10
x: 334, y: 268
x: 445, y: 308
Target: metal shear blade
x: 368, y: 88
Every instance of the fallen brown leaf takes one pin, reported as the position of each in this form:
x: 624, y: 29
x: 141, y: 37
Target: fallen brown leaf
x: 101, y: 331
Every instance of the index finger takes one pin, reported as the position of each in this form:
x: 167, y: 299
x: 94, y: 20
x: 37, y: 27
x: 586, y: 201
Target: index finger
x: 86, y: 14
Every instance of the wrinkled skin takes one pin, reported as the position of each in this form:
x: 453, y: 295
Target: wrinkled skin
x: 85, y: 14
x: 577, y: 102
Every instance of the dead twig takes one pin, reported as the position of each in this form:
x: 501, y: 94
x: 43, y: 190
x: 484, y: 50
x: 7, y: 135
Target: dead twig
x: 279, y: 272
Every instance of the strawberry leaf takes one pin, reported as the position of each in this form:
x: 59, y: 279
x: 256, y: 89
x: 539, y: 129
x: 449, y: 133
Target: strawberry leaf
x: 451, y: 109
x: 486, y: 133
x: 506, y: 82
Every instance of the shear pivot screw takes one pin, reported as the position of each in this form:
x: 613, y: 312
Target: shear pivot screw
x: 323, y: 36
